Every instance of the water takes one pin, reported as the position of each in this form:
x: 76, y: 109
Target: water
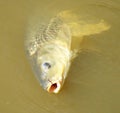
x: 93, y: 82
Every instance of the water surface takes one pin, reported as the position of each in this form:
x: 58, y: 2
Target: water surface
x: 93, y: 82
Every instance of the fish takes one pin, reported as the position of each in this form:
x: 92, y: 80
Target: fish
x: 50, y: 49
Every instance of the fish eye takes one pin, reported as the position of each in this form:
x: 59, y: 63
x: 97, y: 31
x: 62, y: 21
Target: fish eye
x: 46, y: 65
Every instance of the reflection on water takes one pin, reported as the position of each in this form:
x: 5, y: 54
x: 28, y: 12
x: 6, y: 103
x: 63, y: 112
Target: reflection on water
x: 93, y: 81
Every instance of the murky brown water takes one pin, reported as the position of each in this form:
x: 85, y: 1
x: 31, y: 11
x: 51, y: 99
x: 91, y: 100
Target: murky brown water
x: 93, y: 83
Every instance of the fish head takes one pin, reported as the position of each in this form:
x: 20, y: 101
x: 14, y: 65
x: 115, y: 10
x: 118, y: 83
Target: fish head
x: 52, y: 71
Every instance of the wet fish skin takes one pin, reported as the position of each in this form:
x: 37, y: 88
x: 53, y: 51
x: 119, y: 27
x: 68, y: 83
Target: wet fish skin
x: 50, y: 46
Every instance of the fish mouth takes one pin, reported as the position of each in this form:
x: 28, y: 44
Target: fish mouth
x: 54, y: 87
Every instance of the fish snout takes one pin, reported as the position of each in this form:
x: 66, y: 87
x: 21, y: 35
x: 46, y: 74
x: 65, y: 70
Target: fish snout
x: 54, y: 87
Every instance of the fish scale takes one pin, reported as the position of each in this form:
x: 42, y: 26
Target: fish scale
x: 45, y: 34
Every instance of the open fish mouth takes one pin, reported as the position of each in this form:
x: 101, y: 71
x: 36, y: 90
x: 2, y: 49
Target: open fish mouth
x: 54, y: 87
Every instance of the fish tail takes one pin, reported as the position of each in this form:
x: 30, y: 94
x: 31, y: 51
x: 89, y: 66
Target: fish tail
x: 80, y: 27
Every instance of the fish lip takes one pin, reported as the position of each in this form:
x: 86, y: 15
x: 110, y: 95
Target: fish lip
x: 54, y: 87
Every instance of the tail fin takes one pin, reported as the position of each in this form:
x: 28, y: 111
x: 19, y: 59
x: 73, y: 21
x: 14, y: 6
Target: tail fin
x: 80, y: 27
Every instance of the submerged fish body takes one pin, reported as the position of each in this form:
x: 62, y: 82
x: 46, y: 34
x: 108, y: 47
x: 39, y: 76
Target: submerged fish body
x: 49, y: 51
x: 49, y: 54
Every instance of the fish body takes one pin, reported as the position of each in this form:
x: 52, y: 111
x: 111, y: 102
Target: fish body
x: 50, y: 49
x: 49, y: 53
